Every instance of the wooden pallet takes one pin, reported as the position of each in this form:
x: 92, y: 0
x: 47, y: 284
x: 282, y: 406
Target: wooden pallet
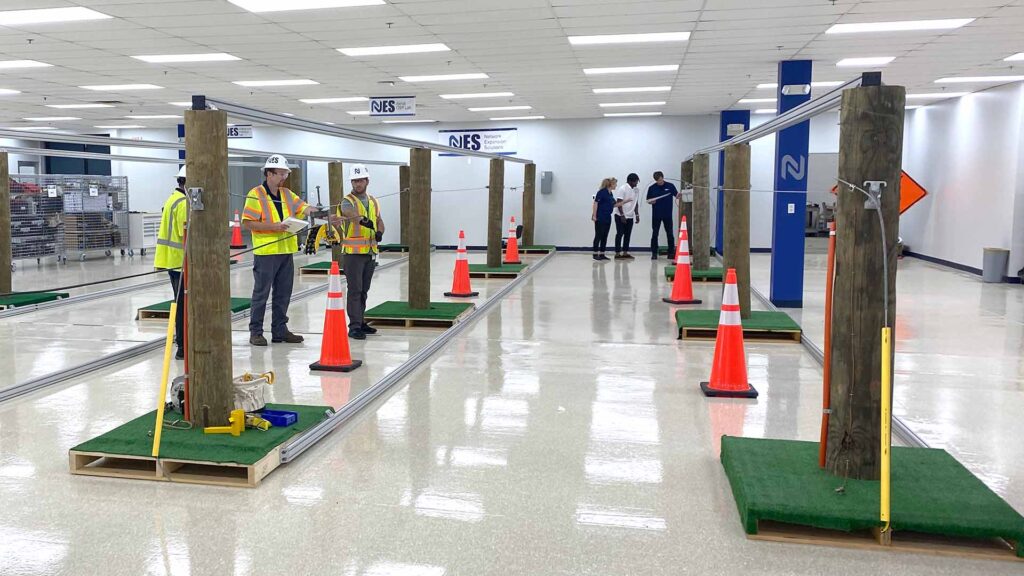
x: 535, y: 250
x: 491, y: 275
x: 171, y: 470
x: 315, y: 271
x: 144, y: 314
x: 419, y: 322
x: 992, y: 549
x: 696, y: 279
x: 749, y: 334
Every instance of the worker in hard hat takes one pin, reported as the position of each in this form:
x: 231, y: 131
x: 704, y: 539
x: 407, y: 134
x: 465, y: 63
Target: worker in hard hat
x: 363, y: 230
x: 267, y: 206
x: 170, y: 251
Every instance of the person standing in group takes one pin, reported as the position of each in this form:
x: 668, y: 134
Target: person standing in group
x: 601, y: 214
x: 661, y: 196
x: 363, y: 229
x: 170, y: 252
x: 627, y: 212
x: 267, y: 206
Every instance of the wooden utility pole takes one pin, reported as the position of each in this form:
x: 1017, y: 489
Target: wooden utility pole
x: 6, y: 245
x: 529, y: 203
x: 335, y: 194
x: 700, y: 228
x: 870, y: 149
x: 403, y: 203
x: 294, y: 181
x: 686, y: 207
x: 209, y: 289
x: 495, y: 210
x: 419, y: 229
x: 736, y: 241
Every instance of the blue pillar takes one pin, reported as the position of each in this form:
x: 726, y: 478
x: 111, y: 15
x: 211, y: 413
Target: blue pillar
x: 727, y: 118
x: 791, y: 147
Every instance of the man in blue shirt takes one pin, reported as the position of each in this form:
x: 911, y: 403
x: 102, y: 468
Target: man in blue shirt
x: 661, y: 196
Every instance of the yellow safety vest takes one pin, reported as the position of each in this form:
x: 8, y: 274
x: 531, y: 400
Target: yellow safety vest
x: 359, y: 239
x: 260, y: 208
x: 170, y: 238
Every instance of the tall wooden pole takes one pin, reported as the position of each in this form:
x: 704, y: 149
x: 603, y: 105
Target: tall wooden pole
x: 335, y: 194
x: 686, y: 206
x: 495, y: 210
x: 870, y: 149
x: 294, y: 181
x: 529, y: 203
x: 403, y: 203
x: 6, y: 246
x: 737, y: 220
x: 419, y: 229
x: 700, y: 228
x: 209, y: 296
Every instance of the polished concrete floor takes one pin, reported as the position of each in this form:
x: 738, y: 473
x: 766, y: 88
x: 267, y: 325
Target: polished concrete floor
x: 562, y: 433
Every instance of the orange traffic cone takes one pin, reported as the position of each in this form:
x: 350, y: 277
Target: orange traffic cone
x: 236, y: 234
x: 334, y: 352
x: 460, y: 283
x: 729, y: 369
x: 682, y: 285
x: 512, y: 248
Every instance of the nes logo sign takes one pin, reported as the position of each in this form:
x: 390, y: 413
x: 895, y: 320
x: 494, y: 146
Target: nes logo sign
x: 502, y: 141
x: 392, y: 106
x: 240, y: 131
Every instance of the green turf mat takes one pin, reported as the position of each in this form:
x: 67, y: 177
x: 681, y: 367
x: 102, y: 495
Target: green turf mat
x: 780, y: 480
x: 539, y: 247
x: 27, y: 299
x: 132, y: 439
x: 481, y: 268
x: 759, y: 320
x: 318, y: 266
x: 437, y: 311
x: 709, y: 274
x: 237, y: 305
x: 392, y: 247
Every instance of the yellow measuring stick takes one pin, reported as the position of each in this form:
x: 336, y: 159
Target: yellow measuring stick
x: 886, y: 422
x: 163, y: 380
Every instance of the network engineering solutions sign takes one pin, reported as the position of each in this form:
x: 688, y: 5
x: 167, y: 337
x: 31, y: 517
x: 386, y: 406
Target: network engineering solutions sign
x: 503, y: 141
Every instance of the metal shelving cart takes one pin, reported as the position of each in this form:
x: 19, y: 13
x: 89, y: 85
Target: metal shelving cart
x: 95, y: 214
x: 37, y: 227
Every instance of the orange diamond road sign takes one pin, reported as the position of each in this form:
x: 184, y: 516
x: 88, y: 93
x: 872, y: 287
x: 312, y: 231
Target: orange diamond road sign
x: 910, y: 192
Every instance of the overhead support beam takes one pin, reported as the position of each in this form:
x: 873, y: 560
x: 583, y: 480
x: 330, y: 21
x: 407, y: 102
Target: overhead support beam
x: 419, y: 229
x: 737, y: 220
x: 495, y: 211
x: 700, y: 235
x: 529, y: 203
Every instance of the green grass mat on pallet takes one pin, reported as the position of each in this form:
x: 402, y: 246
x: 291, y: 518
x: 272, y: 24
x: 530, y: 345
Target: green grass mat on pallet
x: 437, y: 311
x: 709, y: 274
x: 237, y: 305
x: 15, y: 300
x: 132, y: 439
x: 779, y: 480
x: 392, y: 247
x: 481, y: 268
x: 539, y: 247
x: 318, y: 266
x: 759, y: 320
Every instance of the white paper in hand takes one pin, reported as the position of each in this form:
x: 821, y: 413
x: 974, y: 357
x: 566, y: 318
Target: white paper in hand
x: 295, y: 225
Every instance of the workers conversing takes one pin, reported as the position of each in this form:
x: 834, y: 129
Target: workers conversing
x: 363, y: 230
x: 170, y: 251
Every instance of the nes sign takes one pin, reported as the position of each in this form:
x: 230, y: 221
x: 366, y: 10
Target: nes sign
x: 240, y: 131
x: 392, y: 106
x: 504, y: 141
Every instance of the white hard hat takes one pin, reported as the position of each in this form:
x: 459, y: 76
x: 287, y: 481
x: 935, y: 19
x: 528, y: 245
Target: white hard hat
x: 277, y: 161
x: 181, y: 173
x: 358, y: 172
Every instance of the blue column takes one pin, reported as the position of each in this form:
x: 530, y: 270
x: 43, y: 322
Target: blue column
x: 727, y: 118
x: 791, y: 147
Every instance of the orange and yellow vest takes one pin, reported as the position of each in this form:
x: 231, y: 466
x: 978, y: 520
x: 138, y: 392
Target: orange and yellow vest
x: 359, y: 239
x: 260, y: 208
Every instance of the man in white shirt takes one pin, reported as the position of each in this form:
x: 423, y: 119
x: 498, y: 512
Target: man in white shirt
x: 626, y: 214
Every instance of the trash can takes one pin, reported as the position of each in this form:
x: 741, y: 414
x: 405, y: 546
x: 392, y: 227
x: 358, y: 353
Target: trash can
x: 993, y: 264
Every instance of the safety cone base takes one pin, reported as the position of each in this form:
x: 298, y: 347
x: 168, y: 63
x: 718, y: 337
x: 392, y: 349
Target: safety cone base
x: 678, y: 302
x: 239, y: 246
x: 318, y: 367
x: 513, y: 263
x: 467, y: 295
x: 706, y: 388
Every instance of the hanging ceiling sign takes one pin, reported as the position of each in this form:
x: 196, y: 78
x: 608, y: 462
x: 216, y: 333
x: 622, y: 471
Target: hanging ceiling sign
x: 240, y: 131
x: 392, y: 106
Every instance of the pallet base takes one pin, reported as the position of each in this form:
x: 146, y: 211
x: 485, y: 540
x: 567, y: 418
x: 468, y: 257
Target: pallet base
x: 536, y: 249
x: 710, y: 275
x: 392, y: 248
x: 169, y: 470
x: 15, y: 300
x: 162, y: 311
x: 503, y: 271
x: 318, y: 269
x: 390, y: 314
x: 760, y: 327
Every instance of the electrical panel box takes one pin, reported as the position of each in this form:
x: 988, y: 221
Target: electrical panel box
x: 545, y: 182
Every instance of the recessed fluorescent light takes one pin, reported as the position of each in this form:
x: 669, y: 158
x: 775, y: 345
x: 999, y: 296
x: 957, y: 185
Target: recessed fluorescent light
x: 259, y: 83
x: 49, y: 15
x: 913, y: 107
x: 765, y: 111
x: 23, y: 64
x: 500, y: 108
x: 50, y: 118
x: 329, y: 123
x: 333, y: 100
x: 279, y: 6
x: 478, y: 95
x: 123, y: 87
x: 628, y: 90
x: 517, y: 118
x: 8, y: 91
x: 756, y: 100
x: 629, y: 104
x: 768, y: 85
x: 978, y: 79
x: 289, y: 114
x: 72, y: 106
x: 386, y: 50
x: 188, y: 104
x: 899, y: 26
x: 172, y: 58
x: 439, y: 77
x: 619, y: 114
x: 154, y: 116
x: 359, y: 112
x: 861, y: 62
x: 409, y: 121
x: 629, y: 38
x: 631, y: 69
x: 33, y: 128
x: 1015, y: 57
x: 938, y: 95
x: 115, y: 126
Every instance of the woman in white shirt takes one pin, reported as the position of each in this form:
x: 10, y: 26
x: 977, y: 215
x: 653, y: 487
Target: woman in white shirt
x: 626, y: 214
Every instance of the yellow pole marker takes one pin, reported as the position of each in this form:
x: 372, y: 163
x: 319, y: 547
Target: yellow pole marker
x: 886, y: 422
x: 163, y: 380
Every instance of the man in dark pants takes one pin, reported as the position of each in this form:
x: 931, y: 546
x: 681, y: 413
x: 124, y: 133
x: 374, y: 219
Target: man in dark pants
x: 364, y: 228
x: 661, y: 196
x: 170, y: 252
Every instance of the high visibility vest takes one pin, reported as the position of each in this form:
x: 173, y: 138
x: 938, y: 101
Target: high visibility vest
x: 260, y: 208
x: 170, y: 238
x: 360, y: 239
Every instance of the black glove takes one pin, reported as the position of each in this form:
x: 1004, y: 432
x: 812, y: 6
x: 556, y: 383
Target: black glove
x: 367, y: 223
x: 379, y: 236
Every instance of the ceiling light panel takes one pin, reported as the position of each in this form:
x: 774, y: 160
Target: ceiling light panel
x: 477, y: 95
x: 624, y: 114
x: 936, y: 95
x: 517, y: 118
x: 10, y: 64
x: 119, y: 126
x: 183, y: 58
x: 444, y: 77
x: 1015, y: 58
x: 899, y: 26
x: 289, y: 5
x: 8, y: 91
x: 863, y: 62
x: 629, y: 38
x: 978, y: 79
x: 629, y: 104
x: 756, y: 100
x: 123, y: 87
x: 409, y: 121
x: 631, y: 69
x: 334, y: 100
x: 389, y: 50
x: 499, y: 108
x: 17, y: 18
x: 154, y: 116
x: 74, y: 106
x: 266, y: 83
x: 51, y: 118
x: 632, y: 90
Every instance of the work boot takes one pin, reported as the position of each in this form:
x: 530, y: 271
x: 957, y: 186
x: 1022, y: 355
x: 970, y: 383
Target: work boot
x: 257, y: 340
x: 288, y: 338
x: 356, y: 334
x: 620, y: 256
x: 180, y: 354
x: 366, y: 328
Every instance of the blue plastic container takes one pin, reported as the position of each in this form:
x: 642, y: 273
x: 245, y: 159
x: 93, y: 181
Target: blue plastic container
x: 279, y: 418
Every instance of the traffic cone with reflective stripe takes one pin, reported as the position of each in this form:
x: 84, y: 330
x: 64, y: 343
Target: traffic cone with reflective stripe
x: 334, y: 352
x: 729, y: 369
x: 682, y: 284
x: 461, y: 287
x: 512, y: 247
x: 236, y: 234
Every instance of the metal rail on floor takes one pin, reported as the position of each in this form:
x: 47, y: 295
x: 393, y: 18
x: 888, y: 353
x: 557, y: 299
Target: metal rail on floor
x: 350, y: 410
x: 53, y: 378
